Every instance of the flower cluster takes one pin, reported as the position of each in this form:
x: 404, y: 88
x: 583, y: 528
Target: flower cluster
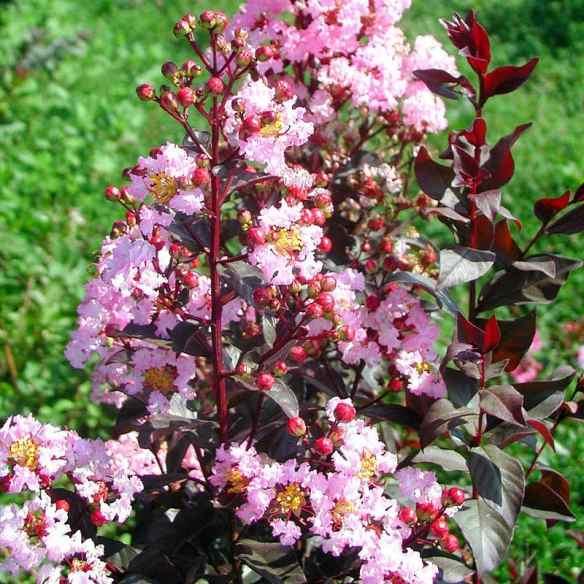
x: 38, y: 459
x: 337, y: 495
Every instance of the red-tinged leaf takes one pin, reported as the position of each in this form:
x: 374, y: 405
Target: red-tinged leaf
x: 442, y: 416
x: 481, y: 56
x: 507, y: 79
x: 543, y: 502
x: 557, y: 483
x: 506, y: 248
x: 546, y: 208
x: 492, y: 335
x: 516, y: 338
x: 503, y: 403
x: 439, y: 82
x: 488, y: 203
x: 469, y: 333
x: 543, y: 431
x: 570, y: 223
x: 530, y: 576
x: 477, y: 135
x: 483, y: 233
x: 432, y: 177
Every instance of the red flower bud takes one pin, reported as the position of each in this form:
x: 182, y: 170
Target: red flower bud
x: 296, y: 427
x: 323, y: 446
x: 439, y: 527
x: 146, y: 92
x: 298, y: 354
x: 200, y: 177
x: 325, y: 245
x: 186, y: 96
x: 255, y: 236
x: 62, y: 505
x: 112, y: 193
x: 264, y: 381
x: 314, y: 310
x: 264, y: 53
x: 326, y: 300
x: 455, y: 496
x: 407, y: 515
x: 251, y: 125
x: 190, y: 279
x: 450, y: 543
x: 376, y: 224
x: 318, y: 217
x: 372, y: 302
x: 345, y: 412
x: 215, y: 85
x: 280, y: 368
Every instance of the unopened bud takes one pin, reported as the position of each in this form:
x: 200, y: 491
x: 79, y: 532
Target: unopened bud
x: 146, y: 92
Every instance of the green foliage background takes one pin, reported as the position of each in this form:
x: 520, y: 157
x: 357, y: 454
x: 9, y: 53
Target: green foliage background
x: 69, y: 122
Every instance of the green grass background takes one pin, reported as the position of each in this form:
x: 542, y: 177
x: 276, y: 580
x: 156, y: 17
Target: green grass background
x: 69, y: 123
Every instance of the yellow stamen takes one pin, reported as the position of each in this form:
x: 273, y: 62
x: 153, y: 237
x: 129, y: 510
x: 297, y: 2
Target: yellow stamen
x: 286, y: 241
x: 237, y: 482
x: 368, y: 466
x: 163, y: 187
x: 423, y: 367
x: 342, y: 507
x: 290, y: 499
x: 160, y: 379
x: 24, y: 452
x: 273, y: 128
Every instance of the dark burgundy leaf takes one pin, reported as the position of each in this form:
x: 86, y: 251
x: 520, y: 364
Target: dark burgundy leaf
x: 472, y: 39
x: 488, y: 203
x: 447, y: 459
x: 432, y: 177
x: 557, y: 482
x: 461, y: 388
x: 244, y: 279
x: 518, y: 287
x: 507, y: 79
x: 441, y: 416
x: 546, y: 208
x: 579, y: 195
x: 569, y: 224
x: 543, y: 431
x: 543, y: 502
x: 542, y: 264
x: 503, y: 402
x: 274, y: 561
x: 487, y: 533
x: 469, y: 333
x: 186, y: 338
x: 486, y: 476
x: 554, y: 579
x: 516, y: 338
x: 393, y: 413
x: 459, y: 265
x: 500, y: 164
x: 506, y: 248
x: 543, y: 398
x: 492, y: 335
x: 439, y: 82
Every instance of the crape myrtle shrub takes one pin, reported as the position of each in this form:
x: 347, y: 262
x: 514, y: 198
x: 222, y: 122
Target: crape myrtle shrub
x: 264, y: 322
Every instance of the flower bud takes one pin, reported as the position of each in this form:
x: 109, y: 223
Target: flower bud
x: 455, y: 496
x: 185, y: 25
x: 264, y: 53
x: 326, y: 300
x: 345, y: 412
x: 191, y: 68
x: 318, y: 217
x: 169, y: 70
x: 112, y: 193
x: 314, y: 310
x: 439, y: 527
x: 296, y: 427
x: 372, y: 302
x: 255, y: 236
x: 264, y: 381
x: 168, y: 101
x: 186, y: 96
x: 215, y: 85
x: 323, y: 446
x: 376, y: 223
x: 146, y: 92
x: 407, y: 515
x: 200, y: 177
x: 298, y: 354
x: 213, y: 20
x: 62, y: 505
x: 280, y: 368
x: 190, y: 279
x: 325, y: 245
x: 251, y: 125
x: 450, y: 543
x: 244, y: 57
